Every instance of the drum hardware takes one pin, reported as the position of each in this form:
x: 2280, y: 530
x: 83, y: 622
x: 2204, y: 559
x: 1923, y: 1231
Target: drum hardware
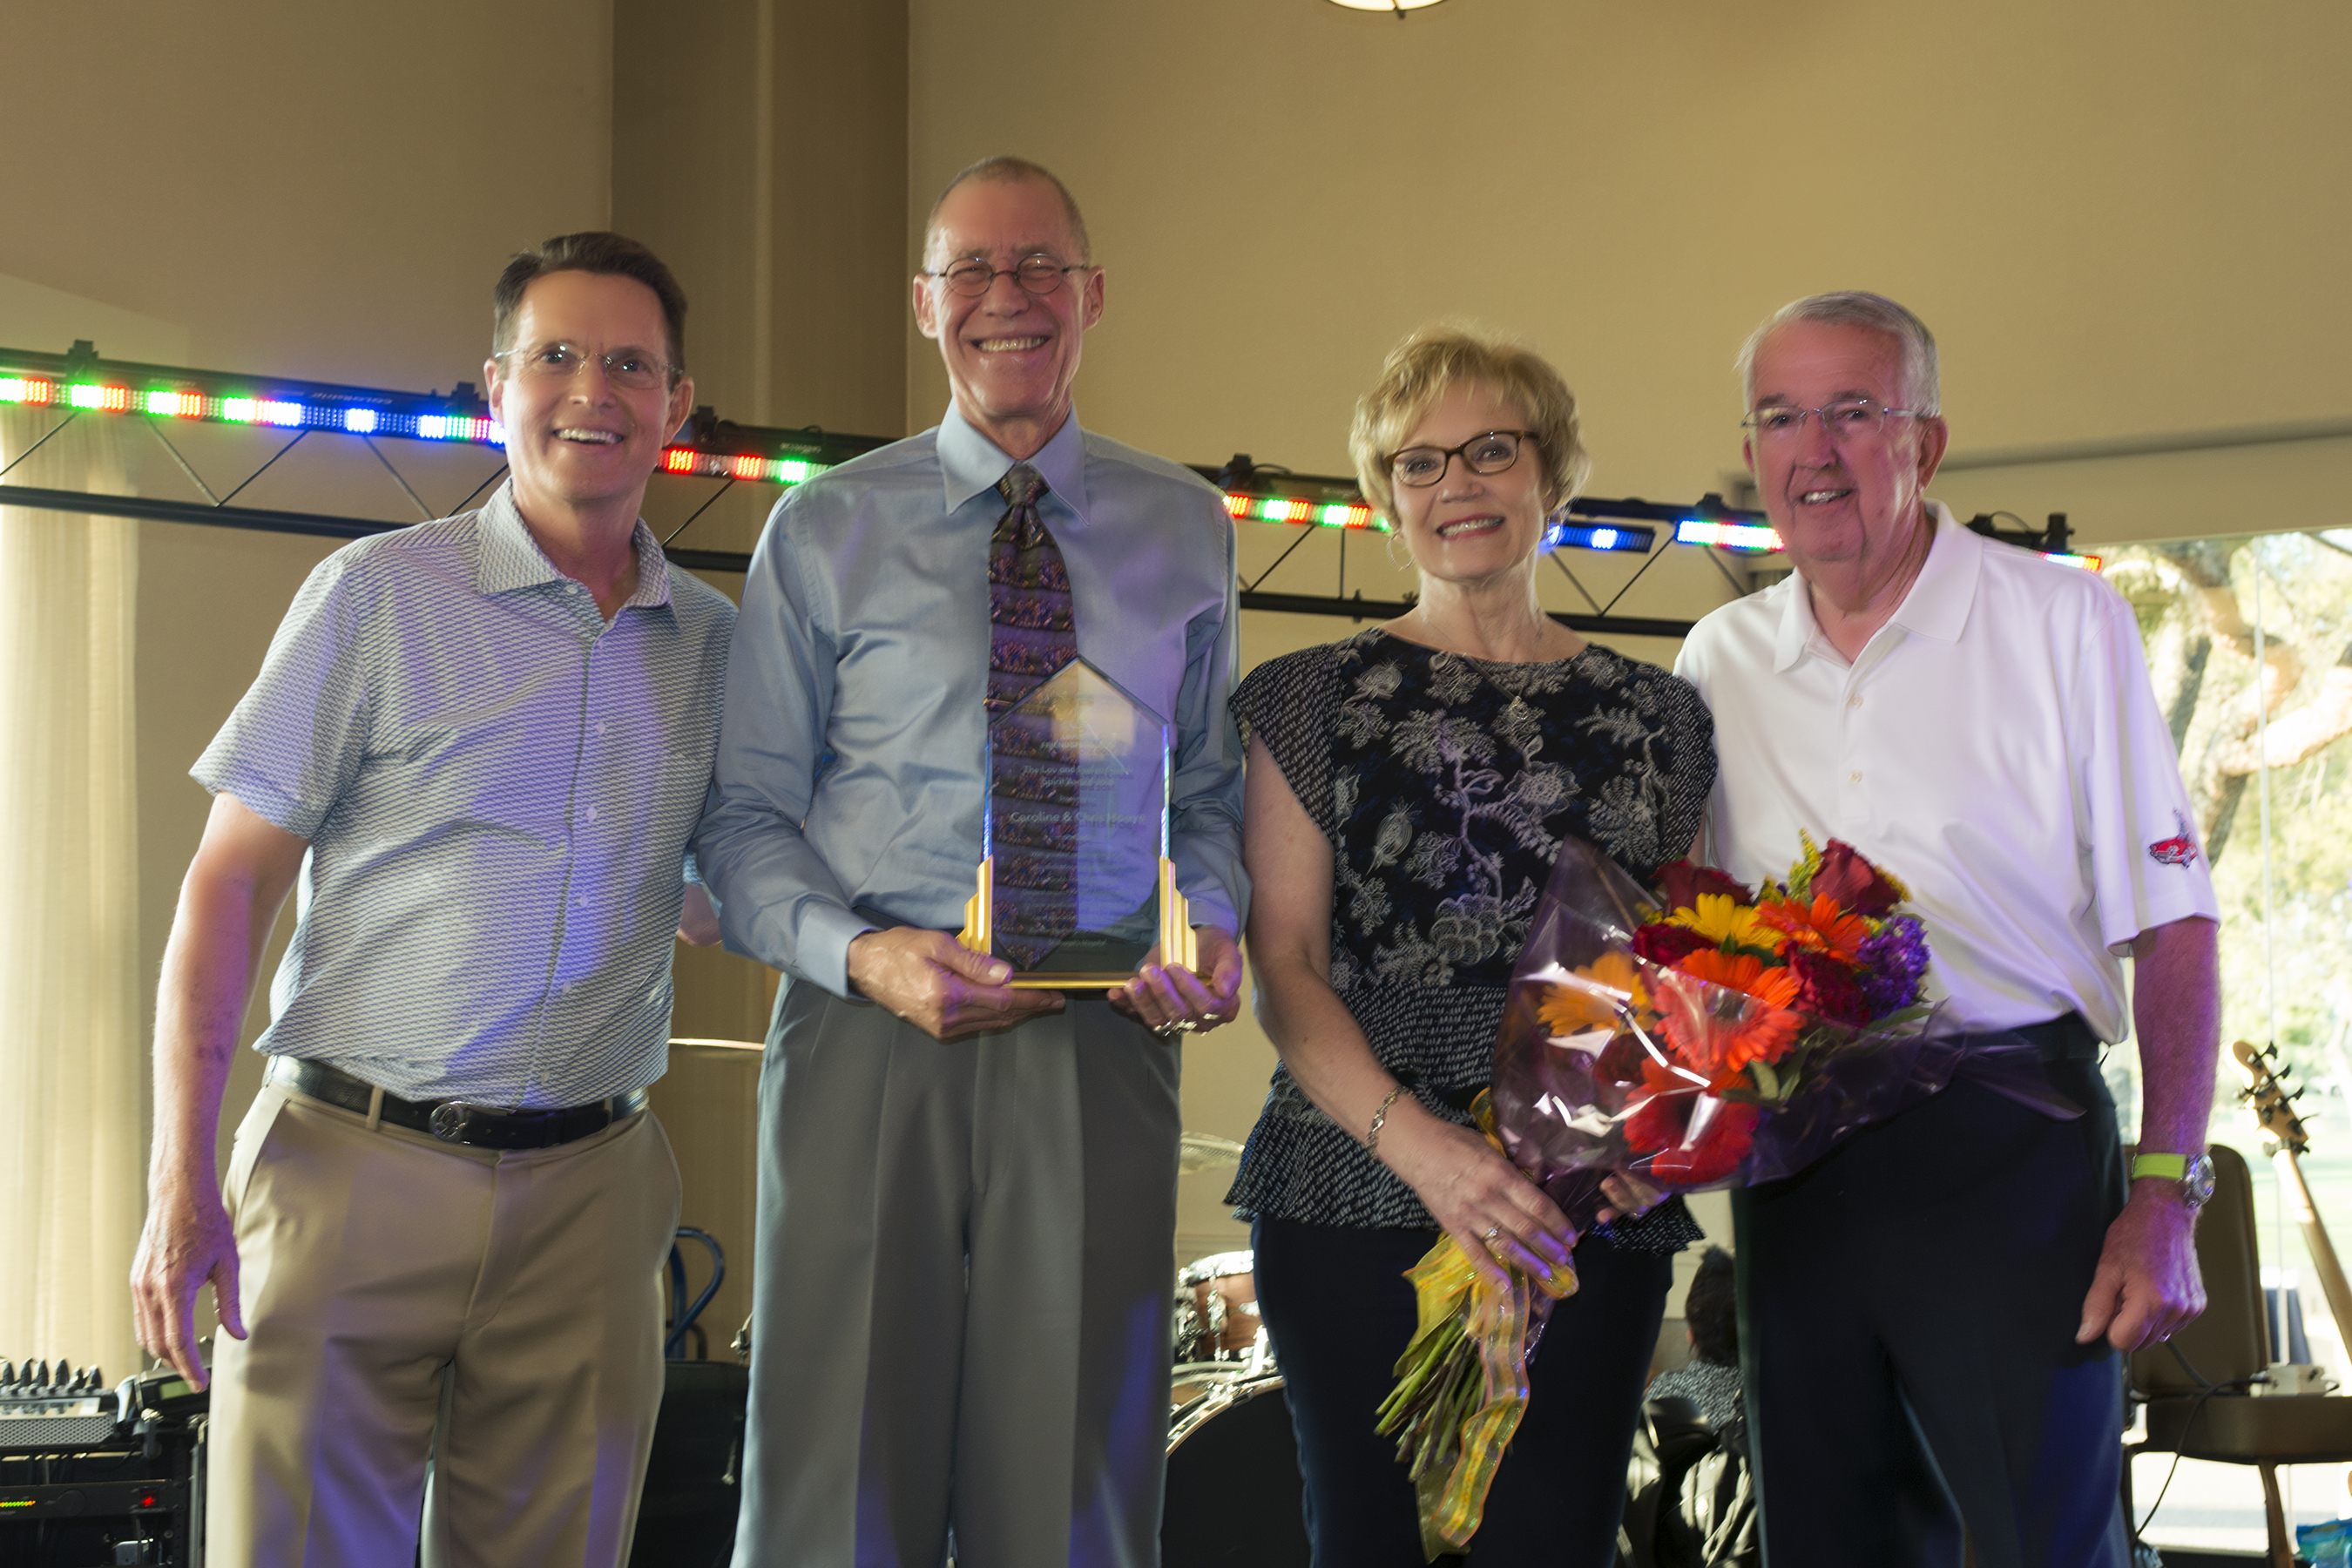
x: 1216, y: 1312
x: 1234, y: 1493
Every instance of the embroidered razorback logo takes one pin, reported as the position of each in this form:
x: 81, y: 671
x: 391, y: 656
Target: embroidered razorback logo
x: 2178, y: 850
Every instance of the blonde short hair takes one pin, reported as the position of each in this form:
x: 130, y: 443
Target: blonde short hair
x: 1438, y: 360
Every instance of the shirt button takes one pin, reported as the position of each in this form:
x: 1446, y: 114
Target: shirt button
x: 1850, y: 778
x: 602, y: 726
x: 591, y: 810
x: 1855, y: 701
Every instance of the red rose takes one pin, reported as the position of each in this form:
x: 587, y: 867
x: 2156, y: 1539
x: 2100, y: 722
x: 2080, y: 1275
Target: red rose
x: 1827, y: 989
x: 1666, y: 945
x: 1680, y: 884
x: 1713, y: 1153
x: 1854, y: 882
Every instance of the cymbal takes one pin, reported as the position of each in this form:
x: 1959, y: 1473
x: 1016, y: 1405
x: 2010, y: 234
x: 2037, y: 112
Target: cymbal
x: 1206, y: 1152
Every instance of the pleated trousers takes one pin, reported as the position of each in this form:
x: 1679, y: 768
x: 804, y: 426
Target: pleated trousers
x: 499, y: 1311
x: 1908, y: 1311
x: 960, y: 1318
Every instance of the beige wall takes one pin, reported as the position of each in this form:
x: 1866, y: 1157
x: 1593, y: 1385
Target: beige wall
x: 2122, y: 220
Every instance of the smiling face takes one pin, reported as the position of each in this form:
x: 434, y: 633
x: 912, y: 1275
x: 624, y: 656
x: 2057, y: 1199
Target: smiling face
x: 582, y: 442
x: 1011, y: 357
x: 1470, y: 528
x: 1855, y: 502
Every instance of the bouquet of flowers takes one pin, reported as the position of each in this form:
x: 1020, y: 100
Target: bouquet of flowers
x: 1711, y: 1036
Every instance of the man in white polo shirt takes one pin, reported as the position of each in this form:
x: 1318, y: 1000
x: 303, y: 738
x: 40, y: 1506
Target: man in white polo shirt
x: 1932, y: 1316
x: 481, y: 744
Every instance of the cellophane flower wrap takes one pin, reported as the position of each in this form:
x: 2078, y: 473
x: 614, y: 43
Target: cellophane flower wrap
x: 1715, y: 1035
x: 1705, y: 1035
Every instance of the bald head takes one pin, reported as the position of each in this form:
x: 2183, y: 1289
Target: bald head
x: 1007, y: 171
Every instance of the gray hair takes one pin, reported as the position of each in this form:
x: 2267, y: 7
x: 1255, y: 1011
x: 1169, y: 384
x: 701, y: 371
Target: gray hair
x: 1921, y: 392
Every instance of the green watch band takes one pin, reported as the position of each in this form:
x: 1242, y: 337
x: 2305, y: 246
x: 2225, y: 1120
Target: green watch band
x: 2167, y: 1167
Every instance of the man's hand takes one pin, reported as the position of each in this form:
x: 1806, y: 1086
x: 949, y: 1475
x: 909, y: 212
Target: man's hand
x: 2147, y: 1285
x: 188, y: 1241
x: 1167, y: 997
x: 941, y: 987
x: 697, y: 917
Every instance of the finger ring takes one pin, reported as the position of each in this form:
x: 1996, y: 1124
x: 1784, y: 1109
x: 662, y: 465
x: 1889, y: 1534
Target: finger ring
x: 1168, y: 1030
x: 1492, y: 1232
x: 1187, y: 1026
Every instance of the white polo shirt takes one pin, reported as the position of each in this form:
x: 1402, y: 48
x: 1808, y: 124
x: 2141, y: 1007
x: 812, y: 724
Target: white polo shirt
x: 1996, y: 746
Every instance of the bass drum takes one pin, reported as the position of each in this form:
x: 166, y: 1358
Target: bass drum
x: 1234, y: 1493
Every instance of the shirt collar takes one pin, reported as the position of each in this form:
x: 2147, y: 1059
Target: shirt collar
x: 507, y: 557
x: 1936, y: 607
x: 969, y: 462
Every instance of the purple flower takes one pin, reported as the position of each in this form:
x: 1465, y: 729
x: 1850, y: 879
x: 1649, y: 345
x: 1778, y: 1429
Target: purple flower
x: 1892, y: 962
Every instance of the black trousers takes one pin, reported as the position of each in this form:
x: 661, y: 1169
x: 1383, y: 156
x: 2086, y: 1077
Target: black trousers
x: 1908, y: 1311
x: 1341, y: 1311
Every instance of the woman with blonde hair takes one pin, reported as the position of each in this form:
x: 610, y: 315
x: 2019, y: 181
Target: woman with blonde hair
x: 1408, y: 790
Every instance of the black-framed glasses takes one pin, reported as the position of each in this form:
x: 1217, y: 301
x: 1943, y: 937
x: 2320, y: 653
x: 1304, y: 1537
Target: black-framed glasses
x: 1489, y: 452
x: 1849, y: 418
x: 632, y: 368
x: 971, y: 277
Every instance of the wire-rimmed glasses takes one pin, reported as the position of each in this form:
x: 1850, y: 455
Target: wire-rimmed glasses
x: 633, y: 368
x: 1847, y: 419
x: 971, y: 277
x: 1489, y: 452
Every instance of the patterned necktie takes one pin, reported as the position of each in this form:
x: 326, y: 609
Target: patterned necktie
x: 1034, y: 779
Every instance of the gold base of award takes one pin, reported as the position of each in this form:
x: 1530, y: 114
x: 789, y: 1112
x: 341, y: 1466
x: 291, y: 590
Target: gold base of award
x: 1177, y: 943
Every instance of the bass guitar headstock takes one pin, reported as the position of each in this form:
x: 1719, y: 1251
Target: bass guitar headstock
x: 2270, y: 1095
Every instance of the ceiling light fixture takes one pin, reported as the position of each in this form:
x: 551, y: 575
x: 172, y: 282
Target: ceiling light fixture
x: 1397, y: 7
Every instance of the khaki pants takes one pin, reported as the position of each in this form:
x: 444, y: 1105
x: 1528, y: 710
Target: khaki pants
x: 500, y: 1312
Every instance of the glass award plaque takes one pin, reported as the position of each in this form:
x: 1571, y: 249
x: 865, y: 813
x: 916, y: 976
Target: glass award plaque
x: 1074, y: 840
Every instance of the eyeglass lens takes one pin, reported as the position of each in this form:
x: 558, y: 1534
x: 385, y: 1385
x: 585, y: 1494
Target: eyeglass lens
x: 1037, y: 274
x: 624, y: 367
x: 1488, y: 454
x: 1852, y: 417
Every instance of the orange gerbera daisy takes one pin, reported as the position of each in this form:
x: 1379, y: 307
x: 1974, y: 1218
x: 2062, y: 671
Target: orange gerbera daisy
x: 1569, y: 1009
x: 1766, y: 1037
x: 1821, y: 926
x: 1744, y: 972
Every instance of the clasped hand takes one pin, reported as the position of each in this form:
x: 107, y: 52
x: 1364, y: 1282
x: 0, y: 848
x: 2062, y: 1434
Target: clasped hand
x: 951, y: 993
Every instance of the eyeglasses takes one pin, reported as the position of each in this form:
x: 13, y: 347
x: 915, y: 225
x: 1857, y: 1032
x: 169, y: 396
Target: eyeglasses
x: 632, y: 368
x: 1490, y: 453
x: 971, y: 277
x: 1848, y: 419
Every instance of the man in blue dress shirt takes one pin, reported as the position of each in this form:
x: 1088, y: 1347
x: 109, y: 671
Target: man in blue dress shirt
x: 481, y: 744
x: 968, y: 1192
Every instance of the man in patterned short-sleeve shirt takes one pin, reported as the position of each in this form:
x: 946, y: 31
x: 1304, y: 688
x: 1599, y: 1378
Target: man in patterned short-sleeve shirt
x: 482, y: 743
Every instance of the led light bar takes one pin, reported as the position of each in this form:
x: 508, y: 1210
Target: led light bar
x: 285, y: 413
x: 1295, y: 510
x: 741, y: 466
x: 1604, y: 536
x: 1755, y: 539
x: 1749, y: 536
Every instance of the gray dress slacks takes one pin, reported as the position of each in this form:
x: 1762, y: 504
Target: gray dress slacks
x: 960, y: 1316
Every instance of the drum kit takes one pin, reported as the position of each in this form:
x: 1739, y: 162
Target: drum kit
x: 1234, y: 1492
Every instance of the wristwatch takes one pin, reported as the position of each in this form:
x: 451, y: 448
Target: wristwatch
x: 2194, y: 1175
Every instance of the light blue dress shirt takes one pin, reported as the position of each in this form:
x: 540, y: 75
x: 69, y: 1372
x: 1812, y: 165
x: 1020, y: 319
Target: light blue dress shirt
x: 496, y: 785
x: 850, y: 774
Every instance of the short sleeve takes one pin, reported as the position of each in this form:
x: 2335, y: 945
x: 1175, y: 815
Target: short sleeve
x: 1286, y: 703
x: 1690, y: 766
x: 2148, y: 868
x: 297, y: 737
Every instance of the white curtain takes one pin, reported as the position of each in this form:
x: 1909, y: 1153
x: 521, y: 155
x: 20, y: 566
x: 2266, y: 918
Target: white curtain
x: 73, y: 1087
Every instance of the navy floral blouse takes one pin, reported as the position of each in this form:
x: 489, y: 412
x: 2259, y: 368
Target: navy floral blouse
x: 1445, y: 785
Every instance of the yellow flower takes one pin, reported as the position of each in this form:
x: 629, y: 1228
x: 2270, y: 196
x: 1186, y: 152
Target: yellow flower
x: 1720, y: 918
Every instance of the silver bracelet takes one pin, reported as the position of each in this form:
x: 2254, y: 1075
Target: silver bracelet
x: 1379, y: 1120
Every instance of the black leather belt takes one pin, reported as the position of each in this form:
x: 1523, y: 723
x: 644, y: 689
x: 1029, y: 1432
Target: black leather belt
x: 454, y: 1121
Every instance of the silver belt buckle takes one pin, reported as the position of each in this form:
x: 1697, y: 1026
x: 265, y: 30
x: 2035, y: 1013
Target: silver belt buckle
x: 449, y: 1119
